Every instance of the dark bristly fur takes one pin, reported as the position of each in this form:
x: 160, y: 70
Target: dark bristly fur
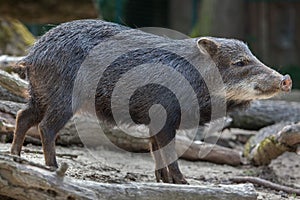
x: 53, y: 63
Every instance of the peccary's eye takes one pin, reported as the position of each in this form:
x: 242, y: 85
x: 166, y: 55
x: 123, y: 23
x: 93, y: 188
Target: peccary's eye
x: 240, y: 63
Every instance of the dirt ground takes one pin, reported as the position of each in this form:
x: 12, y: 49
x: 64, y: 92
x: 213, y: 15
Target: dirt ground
x: 104, y: 165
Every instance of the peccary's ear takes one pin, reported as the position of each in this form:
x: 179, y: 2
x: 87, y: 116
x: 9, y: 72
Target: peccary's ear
x: 208, y: 45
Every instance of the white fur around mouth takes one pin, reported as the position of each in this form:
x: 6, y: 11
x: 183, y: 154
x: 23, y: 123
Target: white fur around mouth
x: 266, y: 95
x: 248, y: 95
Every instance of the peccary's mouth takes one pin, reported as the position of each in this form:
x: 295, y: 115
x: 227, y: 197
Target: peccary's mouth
x: 251, y: 94
x: 265, y: 93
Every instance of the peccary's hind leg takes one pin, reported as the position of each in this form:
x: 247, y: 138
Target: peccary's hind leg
x: 48, y: 128
x: 26, y: 118
x: 166, y: 157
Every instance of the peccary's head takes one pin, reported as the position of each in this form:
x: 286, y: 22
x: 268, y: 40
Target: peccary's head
x: 245, y: 77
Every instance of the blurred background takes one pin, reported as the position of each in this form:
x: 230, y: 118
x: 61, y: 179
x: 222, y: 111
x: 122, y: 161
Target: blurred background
x: 270, y: 27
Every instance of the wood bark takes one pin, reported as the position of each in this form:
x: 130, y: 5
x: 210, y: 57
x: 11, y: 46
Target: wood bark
x: 12, y: 87
x: 271, y: 142
x: 265, y: 113
x: 10, y: 107
x: 24, y: 180
x: 207, y: 152
x: 7, y: 62
x: 13, y: 84
x: 9, y: 96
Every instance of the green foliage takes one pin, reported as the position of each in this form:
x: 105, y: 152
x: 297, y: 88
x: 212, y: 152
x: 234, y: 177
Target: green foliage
x: 39, y: 29
x: 250, y: 172
x: 111, y: 10
x: 205, y: 22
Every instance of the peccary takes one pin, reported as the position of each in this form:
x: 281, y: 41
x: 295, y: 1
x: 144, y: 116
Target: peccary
x: 54, y: 61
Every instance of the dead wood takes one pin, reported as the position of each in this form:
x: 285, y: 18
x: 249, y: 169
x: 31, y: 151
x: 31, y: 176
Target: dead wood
x: 10, y: 107
x: 8, y: 96
x: 24, y: 181
x: 207, y: 152
x: 271, y: 142
x: 8, y: 62
x: 13, y: 84
x: 265, y: 113
x: 266, y: 184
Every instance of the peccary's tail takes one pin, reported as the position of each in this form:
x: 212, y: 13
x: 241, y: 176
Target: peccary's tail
x: 21, y: 64
x: 21, y: 68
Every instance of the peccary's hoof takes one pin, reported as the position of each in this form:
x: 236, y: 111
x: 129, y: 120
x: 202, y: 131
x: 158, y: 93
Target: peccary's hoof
x: 15, y: 152
x: 179, y: 180
x: 167, y: 177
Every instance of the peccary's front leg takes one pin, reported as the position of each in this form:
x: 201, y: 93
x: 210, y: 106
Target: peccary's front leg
x: 165, y: 157
x: 49, y: 128
x: 48, y: 137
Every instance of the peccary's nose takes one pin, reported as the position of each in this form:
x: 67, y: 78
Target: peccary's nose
x: 286, y: 83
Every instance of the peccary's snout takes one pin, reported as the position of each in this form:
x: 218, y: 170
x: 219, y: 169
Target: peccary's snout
x: 286, y: 83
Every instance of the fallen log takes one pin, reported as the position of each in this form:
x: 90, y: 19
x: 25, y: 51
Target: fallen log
x: 197, y: 150
x: 10, y: 85
x: 10, y: 65
x: 13, y: 84
x: 7, y: 62
x: 11, y: 107
x: 271, y: 142
x: 8, y: 96
x: 25, y: 181
x: 265, y: 113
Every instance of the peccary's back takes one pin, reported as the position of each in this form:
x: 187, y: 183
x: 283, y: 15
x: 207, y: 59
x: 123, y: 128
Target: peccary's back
x: 67, y: 45
x: 54, y: 60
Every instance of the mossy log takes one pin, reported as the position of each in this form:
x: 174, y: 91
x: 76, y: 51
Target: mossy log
x: 23, y: 180
x: 15, y: 39
x: 272, y: 141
